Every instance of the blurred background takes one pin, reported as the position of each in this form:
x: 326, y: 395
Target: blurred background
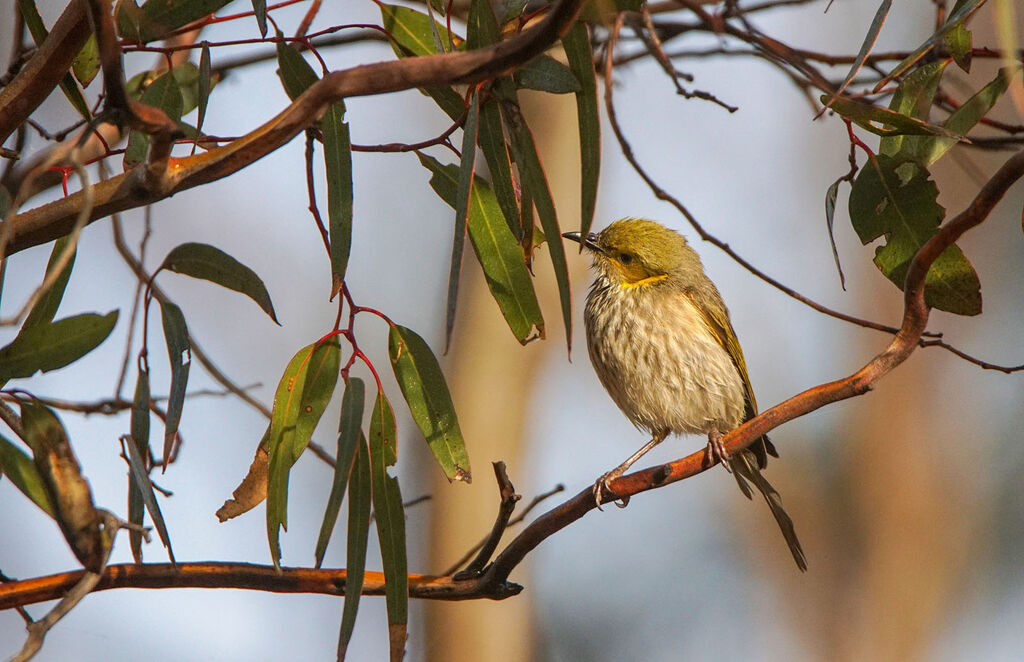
x: 907, y: 499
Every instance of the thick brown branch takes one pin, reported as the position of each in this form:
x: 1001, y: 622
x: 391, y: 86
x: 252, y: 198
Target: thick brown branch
x: 139, y: 187
x: 41, y: 74
x: 242, y: 576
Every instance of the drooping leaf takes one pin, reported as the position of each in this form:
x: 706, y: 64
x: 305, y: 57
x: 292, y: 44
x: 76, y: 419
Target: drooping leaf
x: 957, y: 17
x: 430, y: 402
x: 546, y: 74
x: 958, y: 41
x: 253, y: 489
x: 46, y: 307
x: 67, y: 488
x: 497, y: 250
x: 533, y: 179
x: 39, y: 33
x: 913, y: 99
x: 165, y: 94
x: 179, y: 353
x: 23, y: 473
x: 349, y: 431
x: 156, y: 19
x: 359, y: 500
x: 865, y: 49
x: 387, y: 505
x: 482, y: 27
x: 894, y: 125
x: 259, y: 9
x: 296, y: 74
x: 464, y: 188
x: 965, y: 117
x: 492, y: 143
x: 205, y: 84
x: 139, y: 426
x: 413, y: 35
x: 898, y: 201
x: 212, y: 264
x: 338, y: 162
x: 578, y: 52
x: 87, y: 62
x: 830, y: 214
x: 302, y: 395
x: 140, y: 478
x: 51, y: 346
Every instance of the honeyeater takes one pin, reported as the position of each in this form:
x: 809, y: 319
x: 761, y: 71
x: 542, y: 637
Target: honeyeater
x: 662, y: 344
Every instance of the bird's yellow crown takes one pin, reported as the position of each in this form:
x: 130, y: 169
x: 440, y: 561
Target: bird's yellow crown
x: 637, y: 252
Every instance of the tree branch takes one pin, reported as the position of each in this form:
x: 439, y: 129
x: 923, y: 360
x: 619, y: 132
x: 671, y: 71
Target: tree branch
x: 154, y: 181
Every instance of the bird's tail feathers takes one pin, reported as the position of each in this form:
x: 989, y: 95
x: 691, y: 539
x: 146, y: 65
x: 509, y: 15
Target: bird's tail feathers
x: 746, y: 470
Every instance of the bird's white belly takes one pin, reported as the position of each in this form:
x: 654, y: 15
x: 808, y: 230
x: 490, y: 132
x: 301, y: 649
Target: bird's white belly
x: 664, y: 370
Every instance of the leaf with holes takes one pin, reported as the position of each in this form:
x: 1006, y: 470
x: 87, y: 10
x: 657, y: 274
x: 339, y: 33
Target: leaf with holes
x: 898, y: 201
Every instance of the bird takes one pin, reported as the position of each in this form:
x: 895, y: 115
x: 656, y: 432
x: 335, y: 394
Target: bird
x: 663, y: 346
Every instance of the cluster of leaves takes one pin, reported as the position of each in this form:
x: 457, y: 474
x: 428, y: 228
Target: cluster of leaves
x: 893, y: 195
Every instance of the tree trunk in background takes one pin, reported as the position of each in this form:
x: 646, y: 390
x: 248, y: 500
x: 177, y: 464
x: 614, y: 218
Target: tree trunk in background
x: 492, y: 379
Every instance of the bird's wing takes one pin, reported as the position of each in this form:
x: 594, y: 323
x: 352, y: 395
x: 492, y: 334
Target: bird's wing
x: 720, y: 326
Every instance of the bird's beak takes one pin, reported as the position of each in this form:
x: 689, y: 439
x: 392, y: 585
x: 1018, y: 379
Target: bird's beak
x: 590, y: 242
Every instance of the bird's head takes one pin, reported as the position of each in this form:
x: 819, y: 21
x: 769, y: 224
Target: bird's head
x: 636, y: 251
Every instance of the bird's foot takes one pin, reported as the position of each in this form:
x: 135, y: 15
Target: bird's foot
x: 602, y: 490
x: 717, y: 451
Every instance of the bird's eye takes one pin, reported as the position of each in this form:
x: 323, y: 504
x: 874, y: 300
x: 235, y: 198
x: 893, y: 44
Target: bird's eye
x: 625, y: 258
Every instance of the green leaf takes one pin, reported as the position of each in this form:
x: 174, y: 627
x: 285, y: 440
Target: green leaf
x: 68, y: 490
x: 865, y: 49
x: 965, y: 117
x: 140, y: 478
x: 296, y: 74
x: 913, y: 99
x: 139, y: 426
x: 359, y: 498
x: 958, y: 42
x: 578, y: 52
x: 413, y: 35
x: 348, y: 441
x: 338, y: 162
x: 492, y: 143
x: 165, y: 94
x: 498, y: 251
x: 179, y: 353
x: 259, y: 9
x: 158, y: 18
x: 302, y: 395
x: 430, y: 403
x: 39, y: 33
x: 210, y: 263
x: 482, y: 27
x: 534, y: 180
x: 463, y: 191
x: 830, y: 214
x: 957, y: 17
x: 205, y: 84
x: 22, y: 471
x: 895, y: 125
x: 46, y: 307
x: 87, y: 62
x: 546, y: 74
x: 511, y: 9
x: 48, y: 347
x: 898, y: 201
x: 387, y: 504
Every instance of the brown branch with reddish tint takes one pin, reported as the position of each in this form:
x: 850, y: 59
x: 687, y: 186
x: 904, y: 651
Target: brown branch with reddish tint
x: 142, y: 185
x: 40, y: 75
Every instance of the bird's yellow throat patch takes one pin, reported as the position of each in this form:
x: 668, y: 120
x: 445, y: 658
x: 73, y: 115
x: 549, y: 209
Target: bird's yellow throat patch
x: 643, y: 282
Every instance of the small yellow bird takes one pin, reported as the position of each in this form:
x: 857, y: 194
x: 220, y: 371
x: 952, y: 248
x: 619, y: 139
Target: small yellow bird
x: 663, y: 346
